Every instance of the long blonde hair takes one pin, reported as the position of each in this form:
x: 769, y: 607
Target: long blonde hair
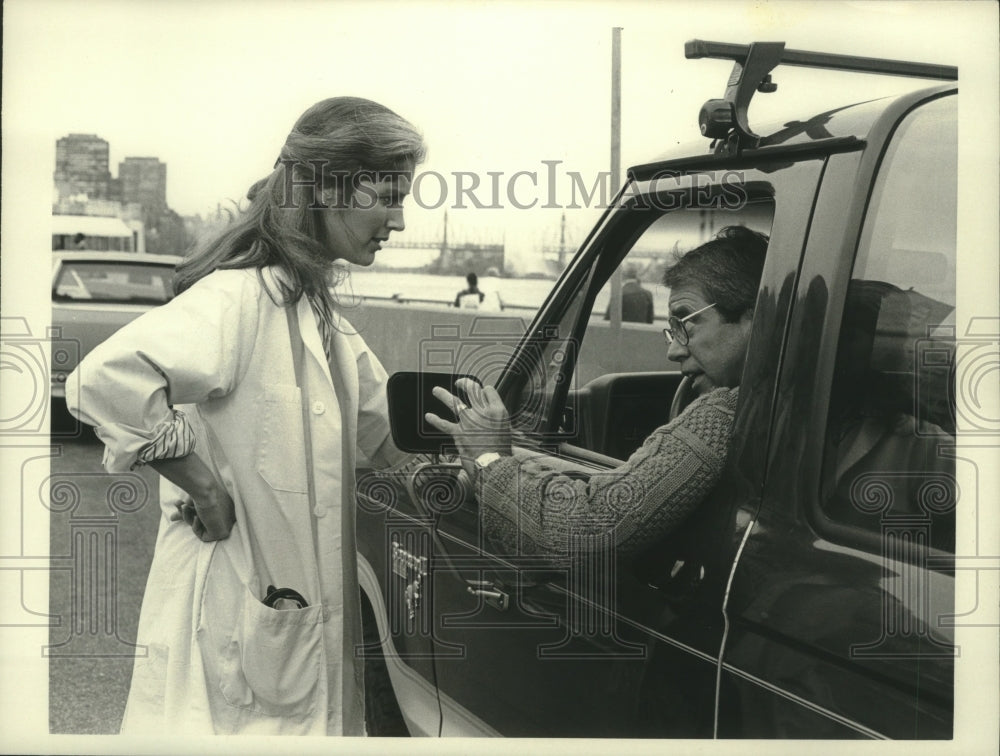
x: 336, y: 140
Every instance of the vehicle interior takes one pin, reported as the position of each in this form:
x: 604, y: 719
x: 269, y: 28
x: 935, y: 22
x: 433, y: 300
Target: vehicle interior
x: 608, y: 383
x: 592, y: 386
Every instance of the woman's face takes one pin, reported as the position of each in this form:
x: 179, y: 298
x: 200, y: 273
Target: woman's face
x: 716, y: 350
x: 356, y: 231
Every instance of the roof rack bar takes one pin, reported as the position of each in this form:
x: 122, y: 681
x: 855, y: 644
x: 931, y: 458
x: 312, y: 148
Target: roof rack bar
x: 697, y: 48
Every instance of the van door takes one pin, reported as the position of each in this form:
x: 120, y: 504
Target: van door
x: 842, y: 604
x: 625, y: 644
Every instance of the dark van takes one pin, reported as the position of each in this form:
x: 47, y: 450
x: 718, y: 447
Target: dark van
x: 812, y: 594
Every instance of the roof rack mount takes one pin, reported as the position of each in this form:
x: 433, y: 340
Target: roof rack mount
x: 725, y: 120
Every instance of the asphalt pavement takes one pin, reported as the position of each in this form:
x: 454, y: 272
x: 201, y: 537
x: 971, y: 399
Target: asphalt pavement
x: 101, y: 538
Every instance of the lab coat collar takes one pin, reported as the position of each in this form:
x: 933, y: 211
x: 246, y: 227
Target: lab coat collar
x: 310, y: 335
x: 273, y: 275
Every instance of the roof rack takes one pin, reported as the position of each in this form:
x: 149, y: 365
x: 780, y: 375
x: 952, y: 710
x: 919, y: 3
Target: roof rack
x: 725, y: 120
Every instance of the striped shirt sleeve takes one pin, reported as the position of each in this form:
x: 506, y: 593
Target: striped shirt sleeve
x: 174, y: 438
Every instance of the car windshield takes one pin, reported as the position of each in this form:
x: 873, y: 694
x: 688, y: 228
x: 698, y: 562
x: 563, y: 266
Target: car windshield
x: 107, y: 281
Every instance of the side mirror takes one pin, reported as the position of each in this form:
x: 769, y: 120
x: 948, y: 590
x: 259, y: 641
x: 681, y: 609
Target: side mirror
x: 410, y: 398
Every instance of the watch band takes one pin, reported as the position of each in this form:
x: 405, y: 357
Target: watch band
x: 486, y: 459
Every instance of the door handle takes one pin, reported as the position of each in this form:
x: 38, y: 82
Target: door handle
x: 490, y: 593
x: 684, y: 580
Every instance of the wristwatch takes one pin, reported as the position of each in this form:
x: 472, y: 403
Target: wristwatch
x: 486, y: 459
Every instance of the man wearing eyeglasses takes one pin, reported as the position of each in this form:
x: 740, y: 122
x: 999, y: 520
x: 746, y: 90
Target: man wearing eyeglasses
x: 712, y: 293
x: 529, y: 507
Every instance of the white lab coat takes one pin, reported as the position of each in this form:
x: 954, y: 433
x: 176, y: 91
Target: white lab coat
x: 212, y: 657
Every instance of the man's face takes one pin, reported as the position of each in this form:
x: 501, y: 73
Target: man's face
x: 716, y: 350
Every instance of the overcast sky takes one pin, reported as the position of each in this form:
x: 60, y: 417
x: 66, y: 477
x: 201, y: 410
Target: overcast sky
x: 212, y: 87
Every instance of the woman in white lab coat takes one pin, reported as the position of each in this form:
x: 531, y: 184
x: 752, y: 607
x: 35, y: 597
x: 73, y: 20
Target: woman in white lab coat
x: 251, y: 613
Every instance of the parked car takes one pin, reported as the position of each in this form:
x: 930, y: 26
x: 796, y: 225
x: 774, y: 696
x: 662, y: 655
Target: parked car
x: 794, y: 603
x: 96, y: 293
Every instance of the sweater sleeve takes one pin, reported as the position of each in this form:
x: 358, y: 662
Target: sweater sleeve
x: 530, y: 508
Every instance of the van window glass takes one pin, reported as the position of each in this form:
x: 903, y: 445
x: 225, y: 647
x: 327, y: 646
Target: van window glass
x: 599, y: 345
x: 114, y: 282
x: 644, y: 298
x: 891, y: 423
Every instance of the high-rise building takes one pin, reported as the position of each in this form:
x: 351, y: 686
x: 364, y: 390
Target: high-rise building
x: 82, y: 167
x: 144, y: 180
x: 85, y: 187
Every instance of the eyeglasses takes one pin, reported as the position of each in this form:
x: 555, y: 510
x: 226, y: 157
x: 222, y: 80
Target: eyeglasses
x: 677, y: 330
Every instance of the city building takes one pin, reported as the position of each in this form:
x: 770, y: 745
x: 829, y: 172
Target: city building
x: 144, y: 180
x: 82, y: 168
x: 87, y: 197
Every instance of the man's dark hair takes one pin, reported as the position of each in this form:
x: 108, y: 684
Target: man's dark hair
x: 473, y: 280
x: 727, y: 269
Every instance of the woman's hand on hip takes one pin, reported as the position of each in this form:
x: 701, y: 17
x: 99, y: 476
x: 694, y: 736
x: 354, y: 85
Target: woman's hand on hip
x: 207, y: 506
x: 211, y: 517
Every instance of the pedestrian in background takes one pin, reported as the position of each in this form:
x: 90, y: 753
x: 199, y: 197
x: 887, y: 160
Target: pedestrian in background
x: 470, y: 297
x: 637, y: 300
x: 253, y: 394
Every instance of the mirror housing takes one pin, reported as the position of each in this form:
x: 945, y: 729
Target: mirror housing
x: 410, y: 398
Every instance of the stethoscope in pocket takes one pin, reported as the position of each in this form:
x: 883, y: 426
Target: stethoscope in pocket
x: 282, y: 598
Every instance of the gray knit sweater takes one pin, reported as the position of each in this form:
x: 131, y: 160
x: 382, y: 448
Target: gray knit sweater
x: 627, y: 508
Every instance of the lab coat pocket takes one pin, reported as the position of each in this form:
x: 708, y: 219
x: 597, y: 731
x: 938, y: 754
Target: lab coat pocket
x: 280, y: 446
x: 275, y: 659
